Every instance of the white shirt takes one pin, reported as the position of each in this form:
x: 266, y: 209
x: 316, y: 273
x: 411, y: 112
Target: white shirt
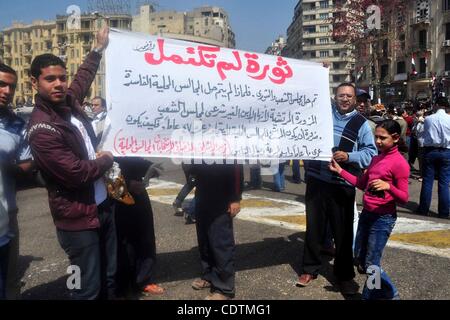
x: 437, y: 130
x: 99, y: 185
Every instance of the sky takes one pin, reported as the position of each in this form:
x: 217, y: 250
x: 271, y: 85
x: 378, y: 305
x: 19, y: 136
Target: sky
x: 256, y: 23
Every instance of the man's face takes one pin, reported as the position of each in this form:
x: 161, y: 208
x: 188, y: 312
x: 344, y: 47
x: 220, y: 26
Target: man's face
x: 346, y: 99
x: 51, y: 84
x: 8, y: 84
x: 97, y: 106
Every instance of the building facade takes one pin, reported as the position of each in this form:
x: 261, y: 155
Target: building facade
x: 21, y: 43
x: 309, y: 37
x: 411, y: 57
x: 208, y: 25
x: 73, y: 44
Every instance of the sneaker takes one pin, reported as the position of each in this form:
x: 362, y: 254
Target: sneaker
x: 189, y: 219
x: 178, y: 210
x: 349, y: 287
x: 305, y: 280
x: 200, y: 284
x: 217, y: 296
x: 152, y: 289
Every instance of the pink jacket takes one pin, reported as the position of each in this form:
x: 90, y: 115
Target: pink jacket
x: 390, y: 167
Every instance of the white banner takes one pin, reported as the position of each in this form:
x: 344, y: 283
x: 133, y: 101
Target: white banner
x: 176, y: 99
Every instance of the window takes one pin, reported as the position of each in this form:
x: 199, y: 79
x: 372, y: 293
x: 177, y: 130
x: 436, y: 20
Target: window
x: 310, y: 17
x: 447, y: 31
x: 447, y: 62
x: 114, y: 23
x: 323, y: 40
x: 323, y: 4
x: 309, y: 29
x: 422, y: 66
x: 384, y: 71
x: 324, y: 54
x: 324, y: 28
x: 336, y: 65
x: 336, y: 78
x: 335, y: 53
x: 445, y: 6
x: 422, y: 38
x: 323, y: 16
x: 170, y: 18
x: 401, y: 67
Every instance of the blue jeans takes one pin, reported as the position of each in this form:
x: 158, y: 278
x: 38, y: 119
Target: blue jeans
x: 371, y: 238
x: 435, y: 160
x: 278, y: 178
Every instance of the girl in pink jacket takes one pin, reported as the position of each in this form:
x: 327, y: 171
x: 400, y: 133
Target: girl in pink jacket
x: 384, y: 183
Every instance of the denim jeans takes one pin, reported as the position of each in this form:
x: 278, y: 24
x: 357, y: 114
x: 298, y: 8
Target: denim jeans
x: 371, y: 238
x: 435, y: 160
x: 95, y: 253
x: 278, y: 178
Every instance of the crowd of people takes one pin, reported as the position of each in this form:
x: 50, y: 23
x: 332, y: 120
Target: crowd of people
x: 113, y: 241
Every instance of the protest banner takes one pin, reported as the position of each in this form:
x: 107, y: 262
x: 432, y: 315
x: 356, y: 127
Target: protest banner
x: 176, y: 99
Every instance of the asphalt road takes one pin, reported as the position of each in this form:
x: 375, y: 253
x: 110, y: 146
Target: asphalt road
x: 267, y: 256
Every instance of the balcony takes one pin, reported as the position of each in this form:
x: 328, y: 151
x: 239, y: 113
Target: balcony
x: 309, y: 35
x: 421, y: 47
x: 420, y: 21
x: 28, y: 53
x: 421, y: 76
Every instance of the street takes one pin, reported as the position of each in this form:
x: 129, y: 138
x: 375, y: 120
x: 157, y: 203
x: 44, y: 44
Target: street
x: 269, y: 236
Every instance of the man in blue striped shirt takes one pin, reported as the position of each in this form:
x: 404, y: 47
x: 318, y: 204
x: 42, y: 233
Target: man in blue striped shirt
x: 330, y: 198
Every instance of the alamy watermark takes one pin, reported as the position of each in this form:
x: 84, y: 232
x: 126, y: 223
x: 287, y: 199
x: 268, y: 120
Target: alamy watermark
x: 373, y: 277
x: 74, y: 280
x: 74, y: 20
x: 374, y: 20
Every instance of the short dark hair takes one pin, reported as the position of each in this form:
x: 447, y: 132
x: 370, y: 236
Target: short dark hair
x: 346, y: 84
x: 102, y: 101
x: 442, y: 102
x: 43, y: 61
x: 7, y: 69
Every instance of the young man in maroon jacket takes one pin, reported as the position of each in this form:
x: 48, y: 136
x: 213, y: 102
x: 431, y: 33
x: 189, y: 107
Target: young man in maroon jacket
x: 63, y: 144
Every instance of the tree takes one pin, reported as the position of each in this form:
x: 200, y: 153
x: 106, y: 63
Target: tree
x: 368, y: 45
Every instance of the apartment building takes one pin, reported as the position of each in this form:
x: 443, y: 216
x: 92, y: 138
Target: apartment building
x: 73, y: 44
x: 410, y: 59
x: 208, y: 25
x: 310, y: 38
x: 23, y: 42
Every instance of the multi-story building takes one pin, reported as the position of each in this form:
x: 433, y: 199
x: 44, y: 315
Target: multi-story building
x: 294, y: 40
x: 23, y: 42
x: 208, y: 25
x: 276, y: 48
x: 411, y: 55
x: 312, y: 19
x: 73, y: 44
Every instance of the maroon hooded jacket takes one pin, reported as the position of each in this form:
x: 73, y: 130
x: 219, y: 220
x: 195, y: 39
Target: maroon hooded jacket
x: 60, y: 153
